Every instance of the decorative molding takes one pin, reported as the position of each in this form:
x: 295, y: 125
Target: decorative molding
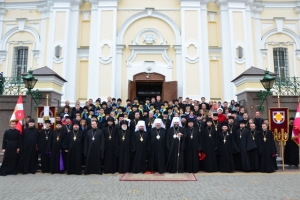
x: 145, y: 14
x: 279, y: 23
x: 149, y: 65
x: 195, y: 58
x: 264, y: 53
x: 149, y: 49
x: 247, y: 79
x: 211, y: 15
x: 83, y: 53
x: 86, y: 14
x: 54, y: 58
x: 119, y: 48
x: 108, y: 59
x: 2, y: 56
x: 236, y: 58
x: 21, y: 23
x: 297, y: 52
x: 161, y: 40
x: 36, y: 54
x: 149, y: 38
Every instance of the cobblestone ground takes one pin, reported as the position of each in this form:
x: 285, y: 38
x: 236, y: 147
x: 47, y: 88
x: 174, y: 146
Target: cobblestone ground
x: 278, y: 185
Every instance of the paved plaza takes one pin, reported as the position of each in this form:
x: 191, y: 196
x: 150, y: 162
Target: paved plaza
x: 278, y: 185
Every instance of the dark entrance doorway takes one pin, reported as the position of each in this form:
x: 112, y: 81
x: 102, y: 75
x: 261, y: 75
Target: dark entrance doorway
x: 148, y: 89
x: 150, y: 85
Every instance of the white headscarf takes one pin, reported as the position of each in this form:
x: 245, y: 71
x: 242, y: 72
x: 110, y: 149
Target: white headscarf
x: 176, y: 119
x: 140, y: 123
x: 158, y: 121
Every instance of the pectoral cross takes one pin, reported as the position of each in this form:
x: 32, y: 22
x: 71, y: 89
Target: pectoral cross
x: 224, y: 141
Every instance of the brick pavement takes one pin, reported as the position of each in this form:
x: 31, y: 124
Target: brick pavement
x: 278, y: 185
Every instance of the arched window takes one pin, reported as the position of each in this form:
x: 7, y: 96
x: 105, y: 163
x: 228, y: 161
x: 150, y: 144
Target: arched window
x: 281, y: 63
x: 20, y: 61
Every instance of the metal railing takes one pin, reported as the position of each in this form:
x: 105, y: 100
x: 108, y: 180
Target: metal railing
x: 12, y: 86
x: 289, y: 86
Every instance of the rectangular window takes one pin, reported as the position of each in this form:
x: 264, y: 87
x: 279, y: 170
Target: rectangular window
x: 281, y: 63
x: 20, y: 61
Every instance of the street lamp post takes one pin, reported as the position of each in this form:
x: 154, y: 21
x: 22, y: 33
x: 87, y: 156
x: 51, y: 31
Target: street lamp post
x: 267, y: 83
x: 30, y: 82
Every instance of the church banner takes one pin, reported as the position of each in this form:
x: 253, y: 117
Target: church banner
x: 45, y: 113
x: 279, y: 119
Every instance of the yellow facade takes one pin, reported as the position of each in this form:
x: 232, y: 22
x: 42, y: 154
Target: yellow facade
x: 98, y: 46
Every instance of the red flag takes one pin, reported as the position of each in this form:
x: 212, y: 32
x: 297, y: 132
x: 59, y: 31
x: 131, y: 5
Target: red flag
x: 18, y: 114
x: 296, y: 128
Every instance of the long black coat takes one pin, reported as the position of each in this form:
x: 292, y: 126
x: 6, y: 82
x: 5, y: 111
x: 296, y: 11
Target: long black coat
x: 28, y: 150
x: 55, y: 148
x: 157, y: 160
x: 291, y: 151
x: 193, y: 145
x: 124, y: 151
x: 74, y: 145
x: 255, y: 154
x: 141, y: 151
x: 110, y: 150
x: 94, y: 151
x: 268, y: 153
x: 226, y: 147
x: 44, y: 138
x: 210, y: 145
x: 10, y: 160
x: 175, y: 148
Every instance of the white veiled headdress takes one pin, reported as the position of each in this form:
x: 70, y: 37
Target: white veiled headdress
x: 176, y: 119
x: 158, y: 121
x: 140, y: 123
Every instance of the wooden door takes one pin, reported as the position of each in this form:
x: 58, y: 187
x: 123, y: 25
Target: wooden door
x: 169, y: 90
x: 131, y: 90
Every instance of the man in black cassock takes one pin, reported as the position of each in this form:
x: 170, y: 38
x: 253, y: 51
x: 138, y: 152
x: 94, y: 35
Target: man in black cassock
x: 158, y: 138
x: 231, y: 125
x: 124, y: 147
x: 73, y: 145
x: 268, y: 163
x: 149, y: 121
x: 111, y: 147
x: 133, y: 122
x: 255, y: 154
x: 44, y: 138
x: 140, y: 147
x: 245, y: 144
x: 55, y: 150
x: 226, y: 147
x: 216, y: 124
x: 193, y: 146
x: 166, y: 121
x: 258, y: 121
x: 10, y: 148
x: 175, y: 147
x: 291, y: 151
x: 209, y: 146
x: 28, y: 149
x: 94, y: 150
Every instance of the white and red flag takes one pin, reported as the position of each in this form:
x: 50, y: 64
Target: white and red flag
x: 296, y: 128
x: 18, y: 114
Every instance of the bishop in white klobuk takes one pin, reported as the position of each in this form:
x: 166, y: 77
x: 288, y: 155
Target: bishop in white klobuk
x: 175, y: 145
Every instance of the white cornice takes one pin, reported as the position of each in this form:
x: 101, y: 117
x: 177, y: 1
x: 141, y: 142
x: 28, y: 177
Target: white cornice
x: 249, y: 90
x: 49, y: 79
x: 247, y: 79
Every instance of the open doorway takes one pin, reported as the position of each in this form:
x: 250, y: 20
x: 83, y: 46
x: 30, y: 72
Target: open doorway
x: 148, y: 89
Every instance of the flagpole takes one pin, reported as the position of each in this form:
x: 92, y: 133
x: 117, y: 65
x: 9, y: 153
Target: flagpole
x: 281, y: 141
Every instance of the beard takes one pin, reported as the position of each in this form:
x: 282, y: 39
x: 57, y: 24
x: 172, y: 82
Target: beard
x: 124, y: 128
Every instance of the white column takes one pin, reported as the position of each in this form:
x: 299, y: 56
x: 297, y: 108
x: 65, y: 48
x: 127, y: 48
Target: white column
x: 45, y: 15
x: 256, y: 10
x: 118, y: 71
x: 179, y: 70
x: 70, y: 61
x: 50, y: 43
x: 204, y: 56
x: 248, y: 38
x: 183, y: 52
x: 93, y: 73
x: 226, y: 41
x: 2, y: 13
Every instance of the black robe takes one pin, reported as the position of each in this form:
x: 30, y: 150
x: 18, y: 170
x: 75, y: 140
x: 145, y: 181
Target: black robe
x: 226, y: 147
x: 209, y: 147
x: 255, y: 154
x: 55, y: 148
x: 245, y: 144
x: 141, y: 151
x: 291, y: 151
x: 124, y: 151
x: 175, y: 148
x: 167, y: 124
x: 10, y: 160
x: 74, y: 145
x: 28, y: 150
x: 111, y: 149
x: 157, y: 160
x: 94, y: 151
x: 217, y: 125
x: 44, y: 138
x: 193, y: 145
x: 268, y: 163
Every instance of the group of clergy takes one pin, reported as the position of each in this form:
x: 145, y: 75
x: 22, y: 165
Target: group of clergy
x: 140, y: 145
